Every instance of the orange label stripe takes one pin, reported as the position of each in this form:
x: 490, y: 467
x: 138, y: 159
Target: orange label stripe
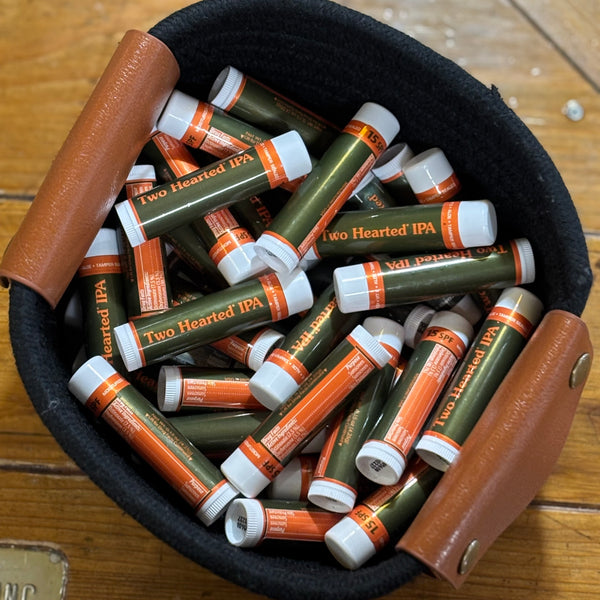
x: 290, y: 364
x: 443, y: 437
x: 367, y: 134
x: 105, y: 393
x: 371, y: 525
x: 100, y: 265
x: 450, y: 232
x: 513, y: 319
x: 275, y: 296
x: 198, y: 128
x: 518, y: 266
x: 261, y: 458
x: 305, y: 525
x: 272, y: 163
x: 441, y: 191
x: 375, y: 286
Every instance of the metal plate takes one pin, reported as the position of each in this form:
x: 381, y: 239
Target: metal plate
x: 31, y: 571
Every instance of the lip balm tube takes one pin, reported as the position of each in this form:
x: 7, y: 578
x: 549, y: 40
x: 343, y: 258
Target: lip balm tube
x: 171, y: 159
x: 255, y: 213
x: 231, y: 246
x: 110, y: 397
x: 431, y: 177
x: 370, y: 194
x: 295, y: 479
x: 218, y: 433
x: 251, y: 347
x: 252, y: 171
x: 498, y: 343
x: 421, y: 277
x: 254, y: 102
x: 203, y: 126
x: 381, y: 517
x: 486, y: 298
x: 199, y: 387
x: 100, y: 287
x: 389, y: 170
x: 336, y: 478
x: 302, y: 349
x: 249, y: 521
x: 281, y: 436
x: 462, y: 305
x: 451, y: 225
x: 213, y: 317
x: 331, y: 182
x: 382, y: 458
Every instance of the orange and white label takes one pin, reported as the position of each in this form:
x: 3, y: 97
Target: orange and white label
x: 513, y: 319
x: 450, y: 231
x: 133, y: 188
x: 153, y: 450
x: 229, y: 233
x: 518, y: 265
x: 444, y: 438
x: 151, y: 277
x: 290, y: 364
x: 175, y: 154
x: 440, y: 192
x: 367, y: 134
x: 375, y: 286
x: 105, y: 393
x: 272, y: 163
x: 275, y: 296
x: 329, y: 445
x: 300, y: 525
x: 237, y: 94
x: 221, y: 144
x: 235, y: 347
x: 261, y: 458
x: 198, y: 127
x: 371, y: 524
x: 218, y: 393
x: 100, y: 265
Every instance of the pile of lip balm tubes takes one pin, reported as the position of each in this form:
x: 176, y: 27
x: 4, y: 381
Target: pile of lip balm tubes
x: 296, y: 325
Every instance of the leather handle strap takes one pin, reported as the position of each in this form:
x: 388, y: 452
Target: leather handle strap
x: 91, y: 167
x: 509, y: 454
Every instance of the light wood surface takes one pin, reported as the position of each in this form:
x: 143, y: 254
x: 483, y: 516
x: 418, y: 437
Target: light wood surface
x: 539, y: 55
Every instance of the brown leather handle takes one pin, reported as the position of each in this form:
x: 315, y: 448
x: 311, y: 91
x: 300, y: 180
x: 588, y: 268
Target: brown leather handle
x: 91, y: 167
x: 509, y: 454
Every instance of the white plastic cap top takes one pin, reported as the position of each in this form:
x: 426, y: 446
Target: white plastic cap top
x: 416, y: 322
x: 331, y: 496
x: 225, y: 87
x: 371, y: 345
x: 477, y: 223
x: 170, y: 385
x: 262, y: 347
x: 216, y: 504
x: 351, y: 289
x: 527, y: 261
x: 241, y: 263
x: 427, y: 170
x: 380, y: 463
x: 288, y: 484
x: 455, y: 323
x: 522, y: 301
x: 177, y: 115
x: 244, y: 523
x: 296, y: 288
x: 391, y: 163
x: 293, y: 154
x: 276, y: 253
x: 142, y: 172
x: 89, y: 376
x: 130, y: 224
x: 380, y: 118
x: 386, y: 331
x: 271, y: 385
x: 128, y: 347
x: 243, y: 475
x: 349, y: 543
x: 105, y: 243
x: 468, y: 308
x: 436, y: 452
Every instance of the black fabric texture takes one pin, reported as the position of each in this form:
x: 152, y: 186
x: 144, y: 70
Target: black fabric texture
x: 331, y: 59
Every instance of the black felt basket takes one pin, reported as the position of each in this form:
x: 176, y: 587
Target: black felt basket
x: 330, y: 59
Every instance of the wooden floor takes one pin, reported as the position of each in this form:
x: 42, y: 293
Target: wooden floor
x: 539, y: 53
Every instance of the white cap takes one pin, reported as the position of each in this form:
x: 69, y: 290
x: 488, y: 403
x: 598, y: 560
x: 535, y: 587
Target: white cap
x: 527, y: 261
x: 244, y: 522
x: 371, y: 345
x: 427, y: 170
x: 351, y: 289
x: 262, y: 346
x: 380, y: 463
x: 522, y: 301
x: 241, y: 263
x: 331, y: 495
x: 247, y: 478
x: 386, y: 331
x: 349, y: 543
x: 477, y: 224
x: 276, y: 253
x: 416, y: 322
x: 391, y: 162
x: 170, y: 385
x: 177, y: 115
x: 142, y: 172
x: 105, y: 243
x: 296, y: 288
x: 89, y: 376
x: 468, y: 308
x: 216, y: 504
x: 436, y: 452
x: 225, y: 87
x: 288, y: 484
x: 455, y: 323
x: 380, y: 118
x: 271, y: 385
x: 131, y: 226
x: 126, y: 342
x: 292, y: 152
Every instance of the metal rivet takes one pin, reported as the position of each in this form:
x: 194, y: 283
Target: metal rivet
x: 469, y: 558
x: 580, y: 370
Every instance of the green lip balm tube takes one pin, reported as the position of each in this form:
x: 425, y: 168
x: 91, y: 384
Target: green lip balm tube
x: 415, y: 278
x: 331, y: 182
x: 497, y: 345
x: 113, y: 399
x: 199, y: 322
x: 218, y: 185
x: 389, y: 169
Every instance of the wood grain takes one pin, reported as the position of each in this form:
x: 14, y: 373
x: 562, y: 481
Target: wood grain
x: 539, y: 54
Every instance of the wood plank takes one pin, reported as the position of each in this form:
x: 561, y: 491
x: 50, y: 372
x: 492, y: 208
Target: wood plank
x: 544, y: 554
